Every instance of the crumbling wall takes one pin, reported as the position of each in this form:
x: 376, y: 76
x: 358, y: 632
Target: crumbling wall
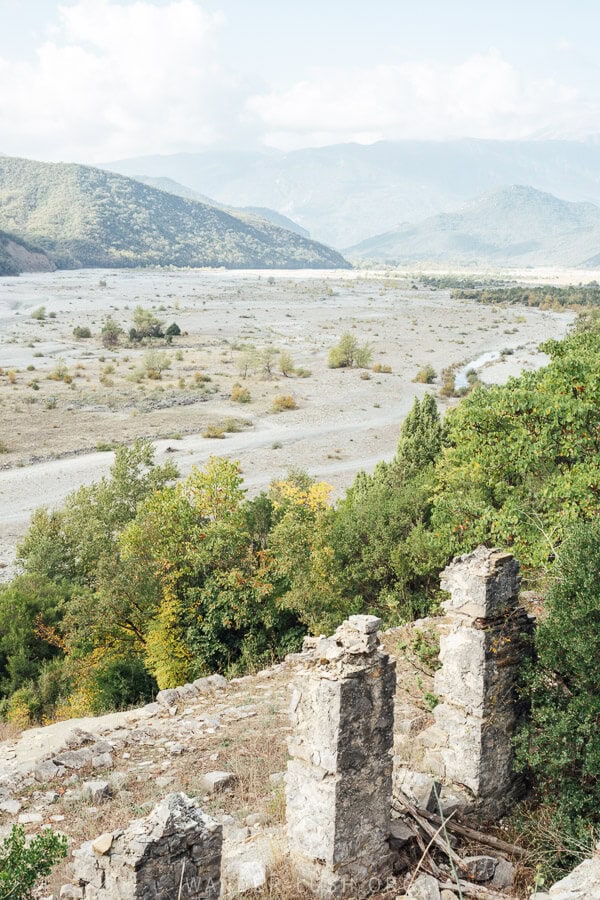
x: 173, y: 852
x: 339, y: 776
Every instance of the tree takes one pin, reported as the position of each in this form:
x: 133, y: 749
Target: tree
x: 522, y: 461
x: 146, y: 324
x: 286, y: 363
x: 560, y: 746
x: 347, y: 353
x: 111, y: 333
x: 420, y: 440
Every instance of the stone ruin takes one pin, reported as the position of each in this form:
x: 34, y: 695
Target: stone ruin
x: 339, y: 778
x: 175, y: 852
x: 482, y: 645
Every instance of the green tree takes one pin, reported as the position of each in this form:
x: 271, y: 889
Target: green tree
x: 23, y: 864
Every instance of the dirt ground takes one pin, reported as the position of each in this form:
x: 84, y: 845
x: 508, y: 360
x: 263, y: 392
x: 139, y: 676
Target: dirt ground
x: 65, y: 402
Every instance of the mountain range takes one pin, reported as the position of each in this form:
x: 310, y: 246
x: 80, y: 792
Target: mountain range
x: 515, y: 226
x: 81, y: 216
x: 346, y: 193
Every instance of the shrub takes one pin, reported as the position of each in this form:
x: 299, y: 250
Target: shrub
x: 39, y: 313
x: 240, y: 394
x: 156, y: 362
x: 425, y: 375
x: 379, y: 368
x: 347, y: 353
x: 282, y: 402
x: 121, y: 683
x: 12, y: 376
x: 3, y: 447
x: 214, y: 431
x: 81, y: 332
x: 561, y: 745
x: 286, y: 363
x: 111, y: 333
x: 173, y: 330
x: 22, y: 865
x: 448, y: 388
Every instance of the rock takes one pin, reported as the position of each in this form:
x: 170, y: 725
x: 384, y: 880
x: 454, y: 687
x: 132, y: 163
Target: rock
x: 448, y: 895
x: 214, y: 782
x: 103, y: 843
x: 424, y: 888
x: 31, y: 818
x: 47, y: 771
x: 504, y: 875
x: 74, y: 759
x: 400, y: 834
x: 277, y: 778
x: 102, y: 761
x: 57, y: 818
x: 422, y: 790
x: 12, y: 807
x: 217, y: 681
x: 480, y: 868
x: 256, y: 819
x: 70, y: 892
x: 187, y: 691
x: 251, y: 874
x: 175, y: 747
x: 164, y: 781
x: 97, y: 791
x: 583, y: 883
x: 167, y: 698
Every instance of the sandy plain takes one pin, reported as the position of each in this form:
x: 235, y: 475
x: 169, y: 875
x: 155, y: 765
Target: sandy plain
x: 56, y: 433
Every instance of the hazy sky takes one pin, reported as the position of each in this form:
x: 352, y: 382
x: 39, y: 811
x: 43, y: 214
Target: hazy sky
x: 94, y: 80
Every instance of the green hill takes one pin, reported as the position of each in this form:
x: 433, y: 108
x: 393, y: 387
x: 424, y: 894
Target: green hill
x: 516, y: 226
x: 86, y: 217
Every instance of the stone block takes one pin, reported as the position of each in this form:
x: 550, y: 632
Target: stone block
x: 482, y: 585
x: 214, y: 782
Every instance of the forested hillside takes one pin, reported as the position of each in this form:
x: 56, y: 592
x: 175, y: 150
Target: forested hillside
x: 86, y: 217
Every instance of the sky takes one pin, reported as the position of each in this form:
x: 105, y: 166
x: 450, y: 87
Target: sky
x: 98, y: 80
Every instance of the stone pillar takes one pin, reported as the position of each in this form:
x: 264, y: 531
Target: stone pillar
x: 173, y: 852
x: 339, y: 778
x: 480, y: 653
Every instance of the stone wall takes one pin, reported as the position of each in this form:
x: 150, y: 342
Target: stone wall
x: 339, y: 775
x: 173, y: 852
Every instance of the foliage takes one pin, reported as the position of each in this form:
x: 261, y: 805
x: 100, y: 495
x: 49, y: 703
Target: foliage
x: 156, y: 362
x: 81, y: 332
x: 111, y: 333
x: 145, y: 325
x: 22, y: 865
x: 522, y: 461
x: 561, y: 745
x: 173, y: 330
x: 281, y: 402
x: 240, y: 394
x: 425, y: 375
x: 347, y: 353
x: 545, y: 296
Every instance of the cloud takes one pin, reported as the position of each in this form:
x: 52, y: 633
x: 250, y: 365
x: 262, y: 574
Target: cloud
x: 116, y: 80
x: 484, y: 97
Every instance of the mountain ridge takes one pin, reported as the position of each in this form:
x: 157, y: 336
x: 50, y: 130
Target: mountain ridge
x: 516, y: 225
x: 345, y: 193
x: 81, y: 216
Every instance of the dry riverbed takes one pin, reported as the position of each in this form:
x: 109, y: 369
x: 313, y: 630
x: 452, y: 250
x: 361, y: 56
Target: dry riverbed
x: 65, y: 402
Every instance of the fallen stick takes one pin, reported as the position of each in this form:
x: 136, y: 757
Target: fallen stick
x: 479, y: 836
x: 434, y: 834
